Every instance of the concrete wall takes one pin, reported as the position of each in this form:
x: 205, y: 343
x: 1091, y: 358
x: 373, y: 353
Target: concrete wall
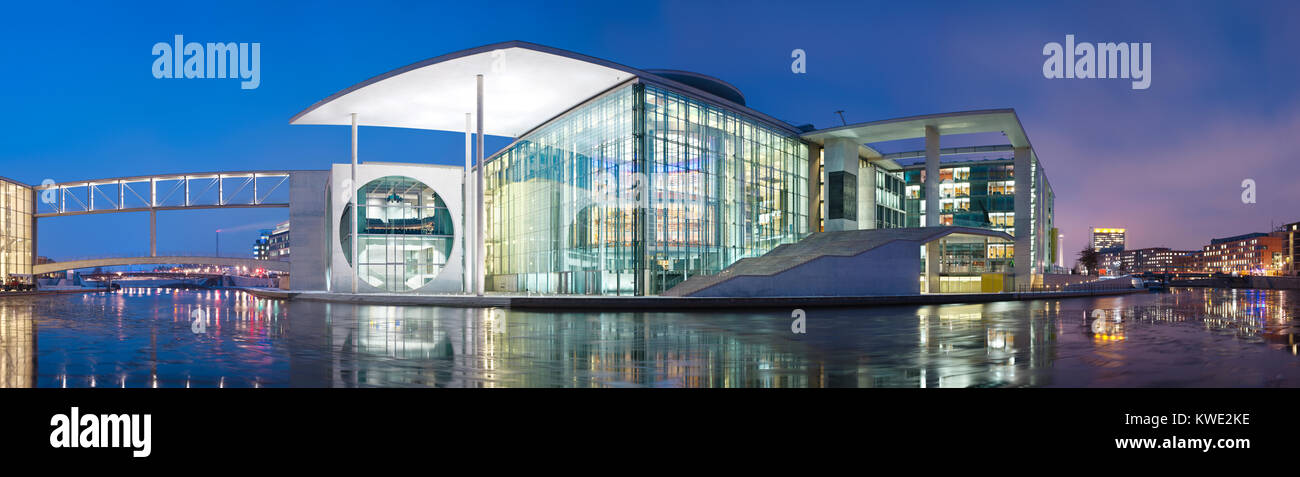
x: 444, y: 180
x: 1058, y: 279
x: 307, y: 241
x: 890, y: 269
x: 841, y: 155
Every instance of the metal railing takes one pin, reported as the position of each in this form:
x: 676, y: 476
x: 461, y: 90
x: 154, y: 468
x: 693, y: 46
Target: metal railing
x: 161, y: 192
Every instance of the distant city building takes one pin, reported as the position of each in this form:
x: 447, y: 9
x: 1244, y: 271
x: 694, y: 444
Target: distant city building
x: 1290, y: 234
x: 1109, y: 263
x: 1107, y: 239
x: 1144, y: 260
x: 262, y: 244
x: 1193, y: 262
x: 1254, y: 254
x: 1160, y: 260
x: 278, y: 242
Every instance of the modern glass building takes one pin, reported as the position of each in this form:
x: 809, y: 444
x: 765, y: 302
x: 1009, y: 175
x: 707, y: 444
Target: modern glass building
x: 622, y: 181
x: 637, y: 190
x: 16, y: 236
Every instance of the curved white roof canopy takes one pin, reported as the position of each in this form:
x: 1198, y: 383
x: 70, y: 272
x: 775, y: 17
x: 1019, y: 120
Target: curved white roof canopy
x: 524, y: 85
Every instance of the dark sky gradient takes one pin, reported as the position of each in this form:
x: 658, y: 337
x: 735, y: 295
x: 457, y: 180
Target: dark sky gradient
x: 79, y: 101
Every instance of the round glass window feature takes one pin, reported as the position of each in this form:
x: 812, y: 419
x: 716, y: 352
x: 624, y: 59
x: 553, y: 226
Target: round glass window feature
x: 404, y: 231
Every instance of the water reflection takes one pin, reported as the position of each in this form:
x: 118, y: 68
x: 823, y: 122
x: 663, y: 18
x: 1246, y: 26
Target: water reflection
x: 165, y: 338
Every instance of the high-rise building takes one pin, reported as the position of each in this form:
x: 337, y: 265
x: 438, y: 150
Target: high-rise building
x: 1107, y: 239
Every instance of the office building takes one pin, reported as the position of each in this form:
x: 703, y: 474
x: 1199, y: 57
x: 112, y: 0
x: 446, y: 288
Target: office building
x: 261, y: 245
x: 277, y: 244
x: 1144, y: 260
x: 1107, y: 239
x: 1250, y: 254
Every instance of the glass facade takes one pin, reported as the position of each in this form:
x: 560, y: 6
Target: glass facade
x: 971, y: 194
x: 889, y: 198
x: 15, y: 229
x: 982, y: 194
x: 638, y: 190
x: 965, y: 265
x: 405, y: 233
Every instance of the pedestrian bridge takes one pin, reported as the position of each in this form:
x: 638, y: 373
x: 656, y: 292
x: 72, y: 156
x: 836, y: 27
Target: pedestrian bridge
x: 299, y: 191
x: 203, y: 190
x: 269, y: 265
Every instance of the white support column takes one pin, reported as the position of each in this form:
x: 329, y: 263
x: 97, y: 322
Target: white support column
x: 1023, y: 226
x: 153, y: 232
x: 480, y: 252
x: 841, y: 187
x: 866, y: 196
x: 356, y: 212
x: 467, y: 256
x: 931, y: 176
x: 933, y: 257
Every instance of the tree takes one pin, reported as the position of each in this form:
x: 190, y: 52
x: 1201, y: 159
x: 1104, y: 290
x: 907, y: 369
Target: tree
x: 1088, y: 257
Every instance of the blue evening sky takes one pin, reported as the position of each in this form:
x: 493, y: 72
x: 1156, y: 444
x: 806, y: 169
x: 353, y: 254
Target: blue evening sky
x: 79, y: 101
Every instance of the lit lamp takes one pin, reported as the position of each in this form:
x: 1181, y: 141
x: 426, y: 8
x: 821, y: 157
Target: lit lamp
x: 393, y: 201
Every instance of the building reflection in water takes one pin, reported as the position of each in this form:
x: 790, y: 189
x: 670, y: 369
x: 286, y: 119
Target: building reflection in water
x: 975, y: 345
x: 452, y: 347
x: 17, y: 346
x: 170, y: 338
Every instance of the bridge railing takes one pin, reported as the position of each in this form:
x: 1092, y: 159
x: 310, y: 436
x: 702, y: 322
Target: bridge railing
x: 191, y: 253
x: 164, y: 191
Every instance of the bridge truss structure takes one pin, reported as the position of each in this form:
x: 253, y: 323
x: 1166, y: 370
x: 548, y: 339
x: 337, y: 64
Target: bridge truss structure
x: 162, y: 192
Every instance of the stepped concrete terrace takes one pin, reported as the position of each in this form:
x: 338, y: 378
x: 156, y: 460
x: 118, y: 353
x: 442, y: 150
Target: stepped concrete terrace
x: 843, y: 263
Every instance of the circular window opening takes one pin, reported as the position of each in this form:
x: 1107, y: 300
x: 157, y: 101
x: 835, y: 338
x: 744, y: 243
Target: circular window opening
x: 404, y: 233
